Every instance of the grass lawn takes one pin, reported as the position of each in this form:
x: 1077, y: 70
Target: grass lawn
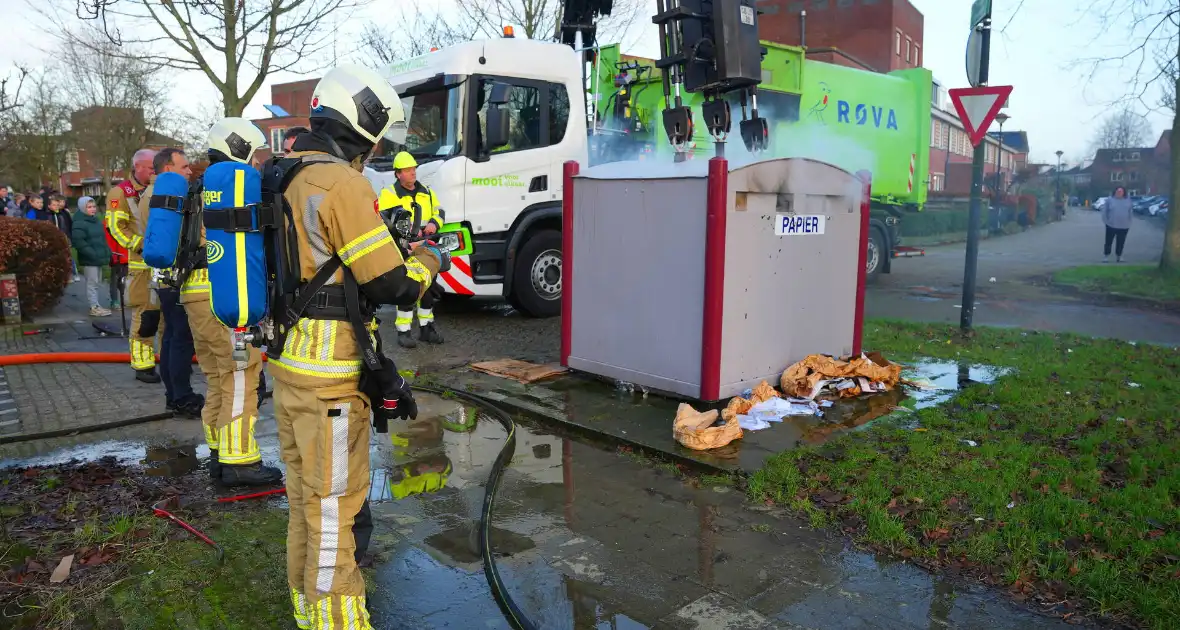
x: 1072, y: 491
x: 131, y: 570
x: 1143, y: 281
x: 189, y: 589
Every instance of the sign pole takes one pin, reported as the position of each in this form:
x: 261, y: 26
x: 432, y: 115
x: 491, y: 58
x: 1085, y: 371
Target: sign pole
x: 970, y: 266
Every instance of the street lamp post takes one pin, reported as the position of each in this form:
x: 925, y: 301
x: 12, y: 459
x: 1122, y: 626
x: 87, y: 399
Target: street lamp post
x: 1001, y: 118
x: 997, y: 212
x: 1057, y: 202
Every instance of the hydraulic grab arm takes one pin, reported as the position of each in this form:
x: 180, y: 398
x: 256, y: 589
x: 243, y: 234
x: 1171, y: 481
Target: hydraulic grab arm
x: 711, y: 47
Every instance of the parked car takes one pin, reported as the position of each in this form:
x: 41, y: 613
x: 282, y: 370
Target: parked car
x: 1159, y: 207
x: 1140, y: 205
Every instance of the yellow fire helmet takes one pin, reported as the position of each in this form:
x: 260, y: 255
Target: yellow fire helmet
x: 404, y: 160
x: 462, y: 422
x: 423, y: 483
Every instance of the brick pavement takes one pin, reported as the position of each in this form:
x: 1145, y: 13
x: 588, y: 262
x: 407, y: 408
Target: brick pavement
x: 51, y: 397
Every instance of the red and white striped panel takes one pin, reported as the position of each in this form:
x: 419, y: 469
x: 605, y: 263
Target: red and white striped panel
x: 458, y: 280
x: 909, y: 187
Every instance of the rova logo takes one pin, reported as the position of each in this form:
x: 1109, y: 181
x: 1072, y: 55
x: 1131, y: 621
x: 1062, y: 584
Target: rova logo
x: 865, y: 115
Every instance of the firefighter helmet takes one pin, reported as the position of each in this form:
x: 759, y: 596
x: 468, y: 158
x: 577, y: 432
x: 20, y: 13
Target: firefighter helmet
x: 360, y: 99
x: 236, y: 139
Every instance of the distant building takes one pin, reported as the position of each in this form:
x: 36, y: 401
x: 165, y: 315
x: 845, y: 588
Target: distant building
x: 1141, y: 170
x: 81, y: 175
x: 290, y: 106
x: 880, y: 35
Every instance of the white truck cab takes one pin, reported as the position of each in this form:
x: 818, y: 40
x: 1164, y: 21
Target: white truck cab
x: 508, y: 196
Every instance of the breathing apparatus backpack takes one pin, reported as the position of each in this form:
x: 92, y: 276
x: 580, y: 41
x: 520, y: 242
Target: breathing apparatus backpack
x: 234, y: 244
x: 168, y: 236
x: 254, y: 274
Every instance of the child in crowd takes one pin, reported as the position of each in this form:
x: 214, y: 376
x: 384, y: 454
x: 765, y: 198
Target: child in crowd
x: 93, y: 253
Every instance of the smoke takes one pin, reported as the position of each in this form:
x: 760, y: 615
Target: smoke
x: 801, y: 138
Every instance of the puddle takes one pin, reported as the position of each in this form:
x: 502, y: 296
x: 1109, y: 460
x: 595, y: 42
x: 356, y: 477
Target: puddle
x: 587, y: 538
x: 164, y: 461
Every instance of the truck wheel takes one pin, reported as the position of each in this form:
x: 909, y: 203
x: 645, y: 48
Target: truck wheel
x: 875, y: 255
x: 536, y: 281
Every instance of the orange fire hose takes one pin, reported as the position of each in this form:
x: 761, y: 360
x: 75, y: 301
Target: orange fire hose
x: 71, y: 357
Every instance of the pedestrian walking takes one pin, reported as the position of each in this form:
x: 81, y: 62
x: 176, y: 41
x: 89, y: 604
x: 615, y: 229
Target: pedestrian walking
x: 93, y: 254
x: 1116, y: 214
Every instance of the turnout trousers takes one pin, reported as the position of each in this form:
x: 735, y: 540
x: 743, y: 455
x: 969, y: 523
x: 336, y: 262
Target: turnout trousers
x: 231, y: 398
x: 324, y: 436
x: 145, y: 319
x: 405, y: 313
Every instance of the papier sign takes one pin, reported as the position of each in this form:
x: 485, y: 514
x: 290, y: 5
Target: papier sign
x: 799, y: 225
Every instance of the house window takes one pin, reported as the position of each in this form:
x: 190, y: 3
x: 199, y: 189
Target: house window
x: 897, y: 43
x: 917, y: 55
x: 1133, y: 176
x: 1118, y: 157
x: 1135, y: 156
x: 1116, y: 176
x: 276, y: 139
x: 72, y: 162
x: 1134, y: 192
x: 908, y: 43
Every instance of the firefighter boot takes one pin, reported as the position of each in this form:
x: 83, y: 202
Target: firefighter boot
x: 255, y: 474
x: 405, y: 339
x: 214, y: 466
x: 429, y: 334
x: 147, y: 376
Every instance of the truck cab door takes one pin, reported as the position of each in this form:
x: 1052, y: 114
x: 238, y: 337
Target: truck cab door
x: 505, y: 179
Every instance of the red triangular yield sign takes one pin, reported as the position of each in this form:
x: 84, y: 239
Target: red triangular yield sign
x: 978, y: 106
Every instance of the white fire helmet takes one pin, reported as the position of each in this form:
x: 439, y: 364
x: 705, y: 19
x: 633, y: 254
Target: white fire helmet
x: 236, y: 138
x: 361, y: 99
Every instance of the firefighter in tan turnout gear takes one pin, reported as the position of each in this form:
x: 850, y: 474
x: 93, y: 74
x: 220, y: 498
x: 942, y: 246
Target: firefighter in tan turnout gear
x: 331, y: 360
x: 231, y: 401
x: 126, y: 219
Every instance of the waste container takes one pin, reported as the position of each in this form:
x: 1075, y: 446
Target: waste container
x: 700, y: 281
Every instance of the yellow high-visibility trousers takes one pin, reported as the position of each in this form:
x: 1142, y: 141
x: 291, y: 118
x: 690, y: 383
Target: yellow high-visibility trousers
x: 145, y: 320
x: 231, y: 398
x: 324, y: 436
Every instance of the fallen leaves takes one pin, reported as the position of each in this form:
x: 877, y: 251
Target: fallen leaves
x: 62, y: 571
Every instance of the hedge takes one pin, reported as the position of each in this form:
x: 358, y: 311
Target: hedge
x: 39, y: 255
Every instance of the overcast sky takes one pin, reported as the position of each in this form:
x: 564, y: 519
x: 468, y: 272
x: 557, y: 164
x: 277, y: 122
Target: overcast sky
x: 1036, y: 51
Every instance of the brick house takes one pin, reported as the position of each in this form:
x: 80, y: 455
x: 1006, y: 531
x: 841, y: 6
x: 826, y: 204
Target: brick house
x: 290, y: 105
x: 83, y: 175
x: 879, y: 35
x: 1141, y: 170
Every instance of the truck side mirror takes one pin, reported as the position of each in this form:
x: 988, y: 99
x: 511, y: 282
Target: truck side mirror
x: 498, y: 117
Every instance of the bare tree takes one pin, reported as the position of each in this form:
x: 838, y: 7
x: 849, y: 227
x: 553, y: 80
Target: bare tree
x: 1122, y: 129
x: 10, y: 92
x: 381, y: 46
x: 236, y: 44
x: 538, y: 19
x: 117, y: 98
x: 36, y: 134
x: 1148, y: 69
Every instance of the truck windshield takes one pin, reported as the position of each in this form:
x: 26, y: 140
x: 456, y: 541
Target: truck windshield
x: 432, y: 122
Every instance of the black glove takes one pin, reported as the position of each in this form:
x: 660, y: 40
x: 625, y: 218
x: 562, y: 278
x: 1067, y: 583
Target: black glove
x: 398, y: 401
x: 389, y: 394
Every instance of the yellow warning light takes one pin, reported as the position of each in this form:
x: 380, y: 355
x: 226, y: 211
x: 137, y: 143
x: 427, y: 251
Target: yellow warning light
x: 434, y: 49
x: 508, y: 32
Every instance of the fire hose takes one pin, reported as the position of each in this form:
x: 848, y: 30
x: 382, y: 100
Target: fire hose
x: 512, y: 612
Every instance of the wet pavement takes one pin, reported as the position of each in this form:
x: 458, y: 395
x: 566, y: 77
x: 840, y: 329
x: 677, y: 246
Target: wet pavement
x: 589, y: 538
x: 623, y: 414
